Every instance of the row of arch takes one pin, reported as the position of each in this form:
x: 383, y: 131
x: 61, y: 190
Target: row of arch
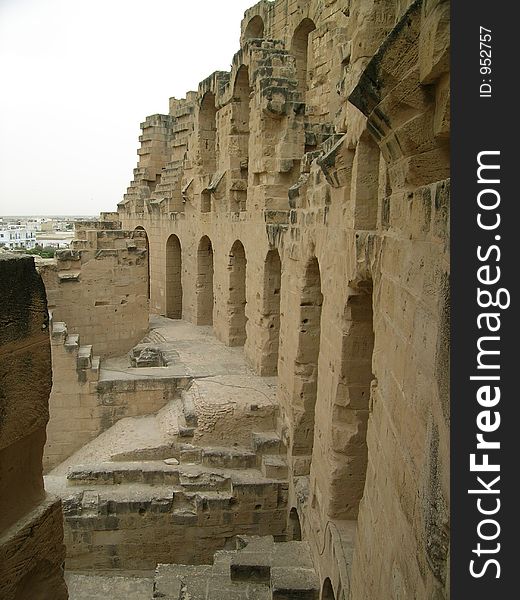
x: 236, y: 299
x: 357, y: 335
x: 357, y: 339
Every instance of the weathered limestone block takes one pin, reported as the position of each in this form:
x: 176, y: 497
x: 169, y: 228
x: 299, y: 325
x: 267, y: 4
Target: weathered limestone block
x: 31, y: 533
x: 25, y: 383
x: 434, y: 45
x: 32, y: 555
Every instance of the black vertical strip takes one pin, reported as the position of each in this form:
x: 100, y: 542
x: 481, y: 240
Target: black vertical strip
x: 482, y: 124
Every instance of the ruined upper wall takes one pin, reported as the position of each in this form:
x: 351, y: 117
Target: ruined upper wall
x: 288, y: 87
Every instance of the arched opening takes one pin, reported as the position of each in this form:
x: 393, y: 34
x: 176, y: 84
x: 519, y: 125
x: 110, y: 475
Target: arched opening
x: 327, y: 593
x: 271, y: 311
x: 237, y: 295
x: 240, y: 132
x: 294, y: 529
x: 205, y: 201
x: 365, y: 182
x: 255, y: 28
x: 306, y: 364
x: 352, y: 405
x: 208, y: 133
x: 204, y: 285
x: 303, y: 55
x: 139, y: 228
x: 173, y: 278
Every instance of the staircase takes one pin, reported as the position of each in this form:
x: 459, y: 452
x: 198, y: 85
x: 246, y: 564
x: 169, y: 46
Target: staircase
x: 87, y: 365
x: 258, y: 569
x: 175, y: 503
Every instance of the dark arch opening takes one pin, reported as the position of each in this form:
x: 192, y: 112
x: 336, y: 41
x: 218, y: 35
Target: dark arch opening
x: 173, y: 278
x: 302, y: 53
x: 208, y: 133
x: 237, y: 295
x: 327, y: 593
x: 306, y: 364
x: 139, y: 228
x: 271, y: 310
x: 240, y: 132
x: 204, y: 285
x: 351, y: 407
x: 365, y: 182
x: 255, y: 28
x: 294, y: 529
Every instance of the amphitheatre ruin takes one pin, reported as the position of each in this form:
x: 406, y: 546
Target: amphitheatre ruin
x: 236, y: 385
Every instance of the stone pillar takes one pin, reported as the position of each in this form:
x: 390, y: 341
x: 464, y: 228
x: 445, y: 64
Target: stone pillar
x: 31, y: 526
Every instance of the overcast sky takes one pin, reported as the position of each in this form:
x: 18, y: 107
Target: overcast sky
x: 77, y: 79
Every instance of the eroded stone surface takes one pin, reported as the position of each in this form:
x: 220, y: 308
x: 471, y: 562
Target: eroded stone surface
x: 31, y: 529
x: 82, y: 586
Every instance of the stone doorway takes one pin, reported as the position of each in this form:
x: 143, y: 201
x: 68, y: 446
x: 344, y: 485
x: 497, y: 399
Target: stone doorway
x: 237, y: 295
x: 204, y: 285
x: 173, y: 278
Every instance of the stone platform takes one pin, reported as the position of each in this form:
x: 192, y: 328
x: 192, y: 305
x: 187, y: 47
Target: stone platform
x: 182, y: 483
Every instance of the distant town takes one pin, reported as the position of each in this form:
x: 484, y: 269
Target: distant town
x: 41, y: 235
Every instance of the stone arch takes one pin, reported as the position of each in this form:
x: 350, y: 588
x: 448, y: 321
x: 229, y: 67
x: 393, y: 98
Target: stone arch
x: 306, y: 363
x: 140, y: 228
x: 302, y: 53
x: 204, y: 282
x: 294, y: 528
x: 173, y: 278
x: 205, y: 201
x: 240, y: 131
x: 327, y: 592
x: 255, y: 28
x: 208, y: 133
x: 271, y: 311
x: 237, y: 295
x: 352, y: 404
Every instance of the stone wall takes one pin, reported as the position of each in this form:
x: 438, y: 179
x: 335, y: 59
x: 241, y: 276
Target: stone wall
x: 31, y: 527
x: 139, y: 528
x: 300, y: 204
x: 99, y: 287
x: 81, y: 406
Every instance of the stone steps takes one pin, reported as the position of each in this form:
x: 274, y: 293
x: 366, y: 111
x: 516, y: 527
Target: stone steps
x: 274, y: 467
x: 149, y: 472
x: 266, y: 442
x: 84, y: 586
x: 128, y: 516
x: 87, y: 365
x: 229, y: 458
x: 258, y: 569
x: 186, y: 475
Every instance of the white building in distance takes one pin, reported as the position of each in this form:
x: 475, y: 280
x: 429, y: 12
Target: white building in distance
x: 14, y: 236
